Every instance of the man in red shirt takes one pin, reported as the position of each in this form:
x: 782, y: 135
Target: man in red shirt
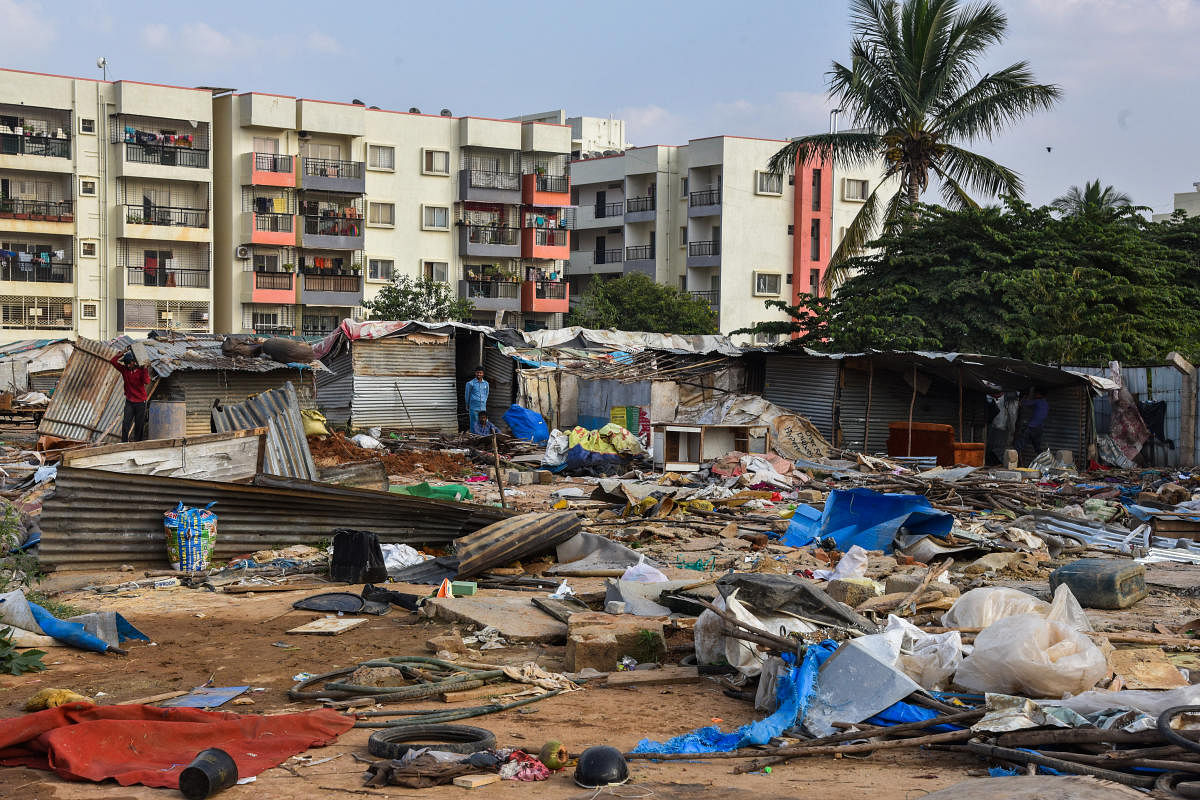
x: 137, y: 381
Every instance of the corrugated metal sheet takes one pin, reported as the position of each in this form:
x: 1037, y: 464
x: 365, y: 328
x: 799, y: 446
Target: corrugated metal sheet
x: 807, y: 386
x: 401, y: 384
x: 501, y: 374
x: 278, y: 411
x: 1149, y: 384
x: 202, y: 390
x: 88, y: 403
x: 44, y: 382
x: 513, y: 539
x: 176, y: 352
x: 335, y: 389
x: 1069, y: 425
x: 96, y: 519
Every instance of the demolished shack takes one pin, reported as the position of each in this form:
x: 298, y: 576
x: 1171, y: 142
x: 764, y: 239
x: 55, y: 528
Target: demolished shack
x: 33, y: 365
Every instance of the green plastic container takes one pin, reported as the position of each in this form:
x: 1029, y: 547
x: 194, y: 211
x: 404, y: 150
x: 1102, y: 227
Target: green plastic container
x: 1102, y: 582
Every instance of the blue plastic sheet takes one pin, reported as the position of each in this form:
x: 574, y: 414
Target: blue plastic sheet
x: 903, y: 712
x: 804, y: 527
x: 869, y: 519
x: 527, y: 425
x: 74, y: 634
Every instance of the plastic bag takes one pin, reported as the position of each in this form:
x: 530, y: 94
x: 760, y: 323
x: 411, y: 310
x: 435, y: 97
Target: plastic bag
x: 1034, y: 656
x: 556, y: 449
x: 643, y: 573
x: 708, y: 636
x: 1152, y: 703
x: 930, y: 659
x: 853, y: 565
x: 366, y: 442
x: 979, y: 608
x: 314, y: 422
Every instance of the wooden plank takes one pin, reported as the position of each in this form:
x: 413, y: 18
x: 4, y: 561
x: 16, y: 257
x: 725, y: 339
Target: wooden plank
x: 329, y: 626
x: 71, y: 456
x: 154, y: 698
x: 230, y: 457
x: 248, y: 588
x: 655, y: 677
x: 561, y: 610
x: 476, y: 781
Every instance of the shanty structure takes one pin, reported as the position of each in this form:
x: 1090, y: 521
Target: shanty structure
x: 33, y: 365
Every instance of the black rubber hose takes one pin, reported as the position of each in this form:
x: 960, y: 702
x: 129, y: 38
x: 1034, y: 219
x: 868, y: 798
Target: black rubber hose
x: 1170, y: 734
x: 1178, y: 784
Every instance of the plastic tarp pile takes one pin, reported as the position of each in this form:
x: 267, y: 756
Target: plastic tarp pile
x: 866, y: 518
x: 29, y: 621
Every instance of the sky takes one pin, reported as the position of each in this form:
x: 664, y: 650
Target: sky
x: 674, y: 70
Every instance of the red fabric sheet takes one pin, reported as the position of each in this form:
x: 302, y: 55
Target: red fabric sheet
x: 151, y: 746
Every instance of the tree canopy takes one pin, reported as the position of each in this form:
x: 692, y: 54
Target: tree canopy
x: 634, y: 302
x: 424, y: 299
x: 1092, y: 200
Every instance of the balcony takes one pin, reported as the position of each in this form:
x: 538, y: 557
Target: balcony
x: 614, y: 255
x: 492, y: 295
x: 712, y: 297
x: 706, y: 203
x: 486, y: 186
x: 640, y: 209
x: 552, y: 243
x: 270, y: 169
x: 489, y: 241
x: 28, y: 272
x: 275, y: 229
x: 333, y: 233
x: 331, y: 290
x: 165, y: 155
x: 169, y: 223
x: 545, y: 296
x: 546, y: 190
x: 169, y: 277
x: 46, y: 152
x: 704, y: 254
x: 332, y: 175
x: 273, y: 288
x: 37, y: 216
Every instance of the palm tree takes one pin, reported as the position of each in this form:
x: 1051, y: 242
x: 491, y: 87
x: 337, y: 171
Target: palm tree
x: 1092, y: 201
x: 914, y: 95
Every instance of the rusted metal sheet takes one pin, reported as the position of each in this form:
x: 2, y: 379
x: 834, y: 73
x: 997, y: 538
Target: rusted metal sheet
x: 97, y: 519
x: 277, y: 410
x: 403, y: 356
x: 513, y: 539
x: 335, y: 388
x: 404, y: 383
x: 228, y: 457
x: 359, y: 475
x: 88, y: 403
x: 202, y: 390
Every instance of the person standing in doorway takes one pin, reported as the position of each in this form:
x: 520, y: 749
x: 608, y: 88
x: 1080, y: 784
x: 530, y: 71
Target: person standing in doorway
x: 1037, y: 407
x: 137, y: 383
x: 476, y: 396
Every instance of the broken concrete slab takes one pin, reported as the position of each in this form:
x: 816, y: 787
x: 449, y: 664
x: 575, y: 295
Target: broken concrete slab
x: 510, y: 613
x: 600, y: 641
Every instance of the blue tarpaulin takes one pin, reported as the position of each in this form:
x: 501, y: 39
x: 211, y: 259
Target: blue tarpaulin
x: 74, y: 634
x: 527, y: 425
x: 868, y: 519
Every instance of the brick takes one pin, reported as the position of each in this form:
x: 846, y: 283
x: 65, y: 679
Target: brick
x: 851, y: 593
x: 600, y: 640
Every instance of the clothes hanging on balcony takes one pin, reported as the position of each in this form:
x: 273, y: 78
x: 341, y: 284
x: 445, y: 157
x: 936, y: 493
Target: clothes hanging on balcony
x: 262, y: 205
x: 279, y: 204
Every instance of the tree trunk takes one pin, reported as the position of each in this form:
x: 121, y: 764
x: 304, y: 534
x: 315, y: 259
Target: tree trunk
x: 914, y: 190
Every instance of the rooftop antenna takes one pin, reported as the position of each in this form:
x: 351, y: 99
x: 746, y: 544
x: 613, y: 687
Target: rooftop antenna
x: 102, y: 64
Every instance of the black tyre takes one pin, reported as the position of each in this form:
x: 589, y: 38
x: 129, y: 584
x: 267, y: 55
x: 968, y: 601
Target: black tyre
x: 462, y: 739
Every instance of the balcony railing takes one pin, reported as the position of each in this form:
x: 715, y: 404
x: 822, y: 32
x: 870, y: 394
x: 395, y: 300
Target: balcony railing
x: 550, y: 237
x: 640, y: 204
x: 322, y: 327
x: 487, y: 234
x: 36, y: 273
x: 553, y: 183
x: 604, y: 210
x: 486, y: 179
x: 704, y: 248
x: 612, y: 256
x: 271, y: 162
x: 712, y: 297
x: 274, y: 223
x: 333, y: 168
x: 639, y: 252
x: 167, y: 276
x: 142, y: 214
x: 708, y: 197
x: 272, y: 280
x: 332, y: 283
x: 36, y: 209
x: 550, y: 290
x: 166, y: 155
x: 494, y: 290
x: 333, y: 226
x: 15, y: 144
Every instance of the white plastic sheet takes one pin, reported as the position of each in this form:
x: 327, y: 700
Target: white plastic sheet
x: 1032, y: 655
x: 642, y: 572
x: 852, y: 565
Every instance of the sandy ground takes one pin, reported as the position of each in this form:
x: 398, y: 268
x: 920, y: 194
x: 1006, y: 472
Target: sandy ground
x: 199, y: 634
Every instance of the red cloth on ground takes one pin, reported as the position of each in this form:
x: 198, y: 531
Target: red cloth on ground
x: 136, y: 379
x: 151, y: 746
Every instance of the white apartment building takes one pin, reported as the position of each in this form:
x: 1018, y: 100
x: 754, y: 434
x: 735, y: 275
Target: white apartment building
x: 1188, y: 202
x: 105, y: 198
x: 708, y: 217
x: 590, y: 136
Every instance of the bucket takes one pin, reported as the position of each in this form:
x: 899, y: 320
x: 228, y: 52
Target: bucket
x: 210, y: 772
x: 167, y: 420
x: 191, y: 535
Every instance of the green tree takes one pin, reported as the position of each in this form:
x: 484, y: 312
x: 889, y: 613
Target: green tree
x: 915, y: 98
x: 423, y: 299
x: 1092, y: 200
x: 635, y: 302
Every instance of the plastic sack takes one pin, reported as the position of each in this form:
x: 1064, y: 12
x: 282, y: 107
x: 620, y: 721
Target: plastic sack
x: 852, y: 566
x: 191, y: 535
x: 556, y: 449
x: 526, y: 425
x: 366, y: 442
x: 643, y: 573
x: 708, y: 636
x: 930, y: 659
x: 980, y: 608
x: 314, y: 422
x: 1030, y: 655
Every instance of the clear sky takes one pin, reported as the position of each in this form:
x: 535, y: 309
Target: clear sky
x: 674, y: 70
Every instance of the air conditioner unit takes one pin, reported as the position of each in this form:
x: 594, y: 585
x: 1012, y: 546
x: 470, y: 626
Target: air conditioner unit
x: 242, y: 251
x: 202, y: 316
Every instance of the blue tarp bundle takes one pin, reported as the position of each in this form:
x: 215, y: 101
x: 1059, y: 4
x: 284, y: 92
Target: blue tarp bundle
x: 866, y: 518
x: 527, y: 425
x: 74, y: 634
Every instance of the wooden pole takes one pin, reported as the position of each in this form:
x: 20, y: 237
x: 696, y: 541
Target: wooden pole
x: 912, y: 404
x: 867, y: 421
x: 961, y: 438
x: 499, y: 477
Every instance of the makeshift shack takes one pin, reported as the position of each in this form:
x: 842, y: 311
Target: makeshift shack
x: 33, y: 365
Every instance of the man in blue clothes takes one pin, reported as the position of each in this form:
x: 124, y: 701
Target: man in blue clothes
x: 1038, y: 410
x: 476, y: 396
x: 482, y: 426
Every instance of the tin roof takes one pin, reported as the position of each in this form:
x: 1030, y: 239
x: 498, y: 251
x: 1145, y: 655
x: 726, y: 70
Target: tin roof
x: 183, y: 353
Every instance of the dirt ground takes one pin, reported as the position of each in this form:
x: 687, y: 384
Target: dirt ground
x: 198, y: 634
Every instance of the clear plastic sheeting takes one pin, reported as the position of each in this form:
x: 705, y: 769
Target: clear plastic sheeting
x: 1032, y: 655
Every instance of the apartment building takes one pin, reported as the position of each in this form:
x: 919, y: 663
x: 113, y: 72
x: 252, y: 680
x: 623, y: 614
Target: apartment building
x: 1188, y: 202
x: 710, y: 218
x: 105, y: 193
x: 590, y: 136
x: 320, y: 203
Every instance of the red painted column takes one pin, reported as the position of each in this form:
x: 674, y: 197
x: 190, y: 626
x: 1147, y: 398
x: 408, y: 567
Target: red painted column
x: 803, y: 215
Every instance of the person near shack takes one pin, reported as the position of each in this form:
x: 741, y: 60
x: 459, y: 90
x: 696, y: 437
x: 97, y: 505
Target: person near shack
x: 483, y: 426
x: 136, y: 381
x: 1002, y: 418
x: 1035, y: 424
x: 476, y: 396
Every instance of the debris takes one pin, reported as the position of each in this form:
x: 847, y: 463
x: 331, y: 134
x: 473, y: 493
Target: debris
x: 329, y: 626
x: 205, y: 697
x: 513, y: 539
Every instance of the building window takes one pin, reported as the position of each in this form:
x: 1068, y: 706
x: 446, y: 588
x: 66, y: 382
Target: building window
x: 769, y: 183
x: 683, y: 236
x: 814, y: 282
x: 435, y: 218
x: 381, y: 157
x: 767, y: 283
x: 87, y: 187
x: 816, y: 190
x: 329, y: 152
x: 87, y: 125
x: 436, y: 271
x: 436, y: 162
x: 381, y: 214
x: 88, y: 248
x: 379, y: 269
x: 814, y: 241
x: 683, y: 187
x: 791, y: 230
x: 266, y: 262
x: 89, y: 310
x: 265, y: 144
x: 856, y: 189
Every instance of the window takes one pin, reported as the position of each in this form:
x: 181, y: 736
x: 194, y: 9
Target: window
x: 814, y: 282
x: 381, y: 157
x: 436, y: 270
x: 437, y: 162
x: 329, y: 152
x: 856, y: 189
x: 266, y: 262
x: 88, y: 249
x: 379, y: 269
x: 683, y: 236
x: 436, y: 218
x: 816, y: 190
x: 683, y: 187
x: 87, y: 125
x: 791, y: 230
x: 767, y: 283
x: 265, y: 144
x: 382, y: 214
x: 87, y: 187
x: 769, y: 183
x: 814, y: 241
x: 89, y: 310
